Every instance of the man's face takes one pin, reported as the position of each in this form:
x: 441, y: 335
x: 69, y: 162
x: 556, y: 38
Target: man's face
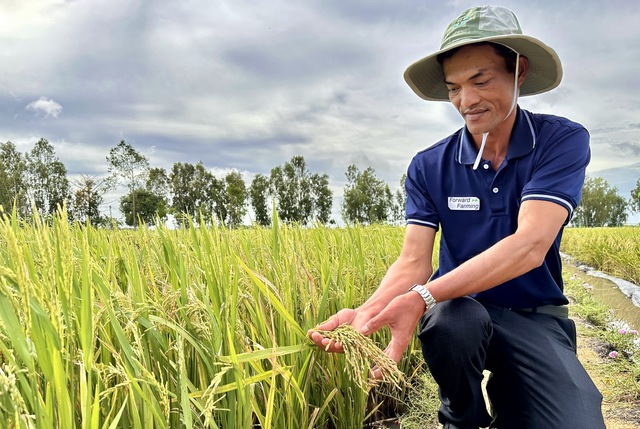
x: 480, y: 87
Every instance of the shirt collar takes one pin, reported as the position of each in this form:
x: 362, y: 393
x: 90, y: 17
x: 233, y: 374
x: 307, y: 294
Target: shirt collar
x: 523, y: 140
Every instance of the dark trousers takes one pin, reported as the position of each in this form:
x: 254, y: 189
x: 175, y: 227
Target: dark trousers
x: 537, y: 381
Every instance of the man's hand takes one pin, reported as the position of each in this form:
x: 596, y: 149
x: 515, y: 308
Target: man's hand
x: 401, y: 315
x: 346, y: 315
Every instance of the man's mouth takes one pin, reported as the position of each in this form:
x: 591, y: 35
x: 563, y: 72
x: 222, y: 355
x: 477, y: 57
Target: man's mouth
x: 474, y: 114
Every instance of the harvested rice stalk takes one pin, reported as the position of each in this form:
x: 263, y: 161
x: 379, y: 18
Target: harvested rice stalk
x: 361, y: 353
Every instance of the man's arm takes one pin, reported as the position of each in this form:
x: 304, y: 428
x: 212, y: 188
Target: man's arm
x: 412, y: 266
x: 538, y: 225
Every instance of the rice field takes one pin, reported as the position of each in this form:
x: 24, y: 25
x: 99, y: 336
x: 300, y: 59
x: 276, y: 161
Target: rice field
x: 615, y: 251
x: 194, y: 328
x: 202, y: 327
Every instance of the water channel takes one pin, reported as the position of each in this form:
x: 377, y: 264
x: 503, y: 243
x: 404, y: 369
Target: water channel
x: 621, y: 296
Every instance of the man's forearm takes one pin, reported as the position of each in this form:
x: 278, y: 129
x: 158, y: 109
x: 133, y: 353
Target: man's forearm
x: 509, y: 258
x: 504, y: 261
x: 403, y: 274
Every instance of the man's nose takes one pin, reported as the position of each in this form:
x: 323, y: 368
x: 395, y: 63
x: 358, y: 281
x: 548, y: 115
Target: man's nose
x: 469, y: 97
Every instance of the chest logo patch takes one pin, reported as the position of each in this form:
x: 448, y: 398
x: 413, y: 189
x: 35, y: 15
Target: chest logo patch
x: 464, y: 203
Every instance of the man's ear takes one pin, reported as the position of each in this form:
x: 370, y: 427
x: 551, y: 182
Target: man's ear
x: 523, y: 66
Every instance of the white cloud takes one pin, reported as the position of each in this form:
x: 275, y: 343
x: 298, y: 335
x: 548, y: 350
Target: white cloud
x: 45, y: 106
x: 35, y: 13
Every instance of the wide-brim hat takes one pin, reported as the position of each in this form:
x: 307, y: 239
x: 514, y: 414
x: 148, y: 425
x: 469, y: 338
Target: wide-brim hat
x: 487, y: 24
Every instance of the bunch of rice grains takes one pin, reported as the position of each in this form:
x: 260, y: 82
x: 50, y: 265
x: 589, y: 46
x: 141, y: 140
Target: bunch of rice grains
x: 360, y: 354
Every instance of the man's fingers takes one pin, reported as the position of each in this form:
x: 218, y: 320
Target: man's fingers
x: 375, y: 373
x: 317, y: 338
x: 373, y: 325
x: 395, y: 352
x: 396, y: 349
x: 343, y: 316
x: 324, y: 343
x: 330, y: 324
x: 346, y: 315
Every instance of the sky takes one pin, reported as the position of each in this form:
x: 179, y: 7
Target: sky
x: 247, y: 85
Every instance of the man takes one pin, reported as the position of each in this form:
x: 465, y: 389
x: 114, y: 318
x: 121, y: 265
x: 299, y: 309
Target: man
x: 501, y: 189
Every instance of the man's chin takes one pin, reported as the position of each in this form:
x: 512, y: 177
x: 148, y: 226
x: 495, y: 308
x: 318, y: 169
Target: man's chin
x: 476, y: 130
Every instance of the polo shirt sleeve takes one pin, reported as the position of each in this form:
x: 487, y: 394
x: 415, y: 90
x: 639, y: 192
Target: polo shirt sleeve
x: 559, y: 172
x: 420, y: 209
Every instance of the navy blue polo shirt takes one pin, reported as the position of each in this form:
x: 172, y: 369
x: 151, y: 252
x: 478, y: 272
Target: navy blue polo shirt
x: 474, y: 209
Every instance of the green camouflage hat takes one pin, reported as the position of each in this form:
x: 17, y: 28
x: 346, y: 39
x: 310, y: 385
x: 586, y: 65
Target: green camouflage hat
x: 487, y: 24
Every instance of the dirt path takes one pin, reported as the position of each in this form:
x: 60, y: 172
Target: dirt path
x: 617, y: 414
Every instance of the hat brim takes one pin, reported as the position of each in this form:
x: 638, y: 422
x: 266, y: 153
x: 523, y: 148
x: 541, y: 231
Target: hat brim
x: 426, y: 77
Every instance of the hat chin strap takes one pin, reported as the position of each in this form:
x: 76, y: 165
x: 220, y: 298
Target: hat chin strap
x: 514, y: 101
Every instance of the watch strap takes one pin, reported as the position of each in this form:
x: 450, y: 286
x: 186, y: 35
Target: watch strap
x: 429, y: 300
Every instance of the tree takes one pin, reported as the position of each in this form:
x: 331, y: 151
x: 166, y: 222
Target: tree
x: 236, y: 193
x: 367, y: 199
x: 399, y: 202
x: 634, y: 202
x: 47, y: 179
x: 87, y: 199
x: 322, y: 198
x: 184, y: 195
x: 300, y: 196
x: 291, y: 188
x: 258, y: 195
x: 158, y: 182
x: 13, y: 179
x: 196, y: 192
x: 128, y: 166
x: 600, y: 205
x: 215, y: 198
x: 150, y: 206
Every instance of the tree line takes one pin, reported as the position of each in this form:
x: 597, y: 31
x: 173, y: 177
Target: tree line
x: 37, y: 181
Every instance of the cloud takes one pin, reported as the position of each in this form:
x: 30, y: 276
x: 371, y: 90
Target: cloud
x: 47, y: 107
x: 626, y: 149
x: 240, y: 87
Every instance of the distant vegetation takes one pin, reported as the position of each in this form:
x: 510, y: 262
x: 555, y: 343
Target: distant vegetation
x: 38, y: 180
x: 602, y: 206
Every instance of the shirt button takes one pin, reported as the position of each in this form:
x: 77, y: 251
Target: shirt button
x: 486, y: 166
x: 496, y: 190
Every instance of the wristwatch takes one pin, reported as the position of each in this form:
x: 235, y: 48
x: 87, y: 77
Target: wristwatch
x: 429, y: 300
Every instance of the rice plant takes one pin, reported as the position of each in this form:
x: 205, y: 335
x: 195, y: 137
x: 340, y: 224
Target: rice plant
x: 196, y: 328
x: 613, y: 250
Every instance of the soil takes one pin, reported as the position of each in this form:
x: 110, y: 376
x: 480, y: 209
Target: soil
x: 618, y: 413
